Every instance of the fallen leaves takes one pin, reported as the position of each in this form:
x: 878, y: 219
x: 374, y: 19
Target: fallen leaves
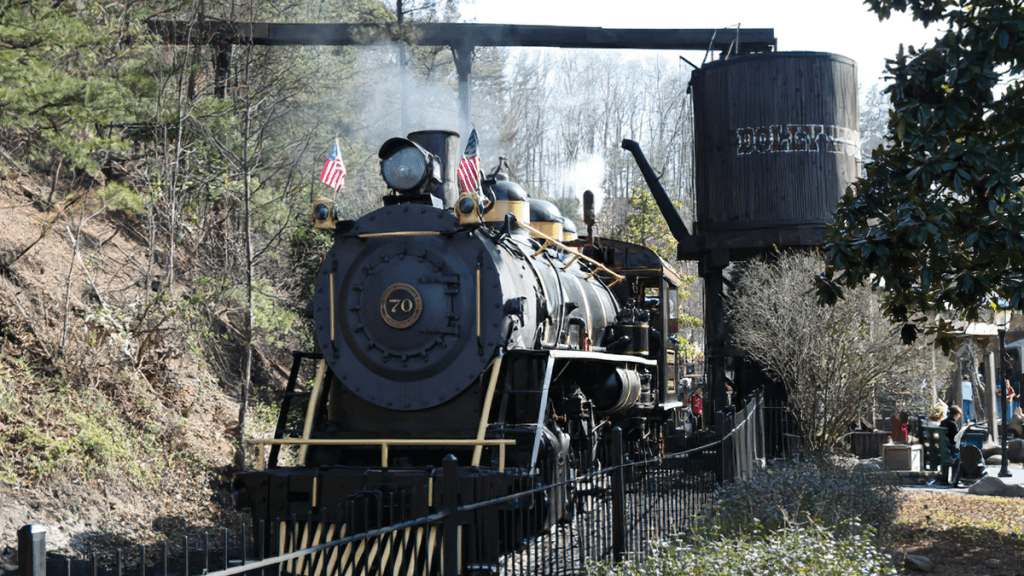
x: 963, y: 533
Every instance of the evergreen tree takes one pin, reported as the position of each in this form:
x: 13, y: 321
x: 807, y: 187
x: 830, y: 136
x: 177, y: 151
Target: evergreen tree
x: 645, y: 225
x: 73, y: 73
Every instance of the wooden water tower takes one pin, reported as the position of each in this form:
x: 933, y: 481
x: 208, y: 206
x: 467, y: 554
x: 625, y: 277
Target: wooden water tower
x: 776, y: 144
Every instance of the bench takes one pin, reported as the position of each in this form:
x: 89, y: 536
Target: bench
x: 937, y: 456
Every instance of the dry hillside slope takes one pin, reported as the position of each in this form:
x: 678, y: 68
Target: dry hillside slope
x: 117, y: 401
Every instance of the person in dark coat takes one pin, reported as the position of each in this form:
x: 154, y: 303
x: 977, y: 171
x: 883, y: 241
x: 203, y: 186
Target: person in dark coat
x: 952, y: 425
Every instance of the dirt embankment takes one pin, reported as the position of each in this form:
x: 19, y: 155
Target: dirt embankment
x: 116, y: 423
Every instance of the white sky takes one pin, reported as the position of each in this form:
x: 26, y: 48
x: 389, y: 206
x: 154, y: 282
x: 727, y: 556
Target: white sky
x: 844, y: 27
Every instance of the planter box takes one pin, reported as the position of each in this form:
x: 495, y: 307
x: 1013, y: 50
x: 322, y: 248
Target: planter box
x: 903, y: 456
x: 868, y: 444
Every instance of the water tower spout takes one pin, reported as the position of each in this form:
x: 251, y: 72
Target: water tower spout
x: 675, y: 222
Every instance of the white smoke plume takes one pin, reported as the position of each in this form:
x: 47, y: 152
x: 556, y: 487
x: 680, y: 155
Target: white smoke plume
x: 587, y: 174
x: 427, y: 105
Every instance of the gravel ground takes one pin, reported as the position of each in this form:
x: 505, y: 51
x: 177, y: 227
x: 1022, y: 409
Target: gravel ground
x: 962, y: 534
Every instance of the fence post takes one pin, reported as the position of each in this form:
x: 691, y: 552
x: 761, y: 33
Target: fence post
x: 618, y: 496
x: 720, y: 432
x: 32, y: 550
x: 450, y: 528
x: 750, y: 453
x: 762, y: 456
x: 744, y: 451
x: 734, y: 444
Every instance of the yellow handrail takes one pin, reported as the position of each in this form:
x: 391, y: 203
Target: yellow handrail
x: 548, y: 240
x: 384, y: 444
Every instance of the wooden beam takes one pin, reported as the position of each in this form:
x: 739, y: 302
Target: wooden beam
x: 445, y: 34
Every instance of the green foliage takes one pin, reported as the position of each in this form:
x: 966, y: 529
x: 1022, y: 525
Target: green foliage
x: 268, y: 314
x: 308, y: 247
x: 67, y: 68
x: 117, y: 196
x: 793, y: 518
x: 685, y: 349
x: 274, y: 320
x: 8, y: 404
x: 262, y: 417
x: 66, y: 431
x: 646, y: 226
x: 828, y: 493
x: 794, y: 550
x: 937, y: 222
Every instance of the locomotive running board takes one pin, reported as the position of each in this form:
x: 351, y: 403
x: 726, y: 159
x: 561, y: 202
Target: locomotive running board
x: 549, y: 370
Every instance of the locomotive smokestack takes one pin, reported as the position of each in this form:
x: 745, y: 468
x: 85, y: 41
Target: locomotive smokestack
x: 589, y: 218
x: 445, y: 145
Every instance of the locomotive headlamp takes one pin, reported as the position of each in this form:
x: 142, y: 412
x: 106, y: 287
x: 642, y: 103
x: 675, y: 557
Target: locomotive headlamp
x: 466, y: 205
x: 324, y: 214
x: 406, y: 166
x: 467, y: 209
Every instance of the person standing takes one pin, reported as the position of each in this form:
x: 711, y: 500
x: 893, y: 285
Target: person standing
x: 1011, y: 398
x: 1006, y: 412
x: 967, y: 392
x: 698, y: 409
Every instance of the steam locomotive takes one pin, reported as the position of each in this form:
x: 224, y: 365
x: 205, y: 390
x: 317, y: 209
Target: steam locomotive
x: 474, y: 324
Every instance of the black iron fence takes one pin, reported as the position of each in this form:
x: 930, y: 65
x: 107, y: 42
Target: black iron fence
x: 613, y: 514
x: 781, y: 433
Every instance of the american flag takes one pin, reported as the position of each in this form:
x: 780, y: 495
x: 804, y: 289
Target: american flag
x: 334, y: 169
x: 469, y: 167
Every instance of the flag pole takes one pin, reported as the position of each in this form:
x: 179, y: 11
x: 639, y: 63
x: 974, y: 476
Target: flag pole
x: 338, y: 145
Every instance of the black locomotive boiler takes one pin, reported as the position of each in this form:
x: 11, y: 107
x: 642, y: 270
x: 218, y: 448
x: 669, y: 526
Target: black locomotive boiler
x: 474, y: 325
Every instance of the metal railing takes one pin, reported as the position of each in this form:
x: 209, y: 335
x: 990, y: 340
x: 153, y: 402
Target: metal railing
x: 781, y: 432
x: 617, y: 513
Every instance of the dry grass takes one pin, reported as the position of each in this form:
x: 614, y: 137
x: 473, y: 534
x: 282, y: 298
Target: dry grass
x: 963, y: 534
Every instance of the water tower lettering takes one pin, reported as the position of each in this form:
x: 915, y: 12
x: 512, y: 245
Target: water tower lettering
x: 798, y: 138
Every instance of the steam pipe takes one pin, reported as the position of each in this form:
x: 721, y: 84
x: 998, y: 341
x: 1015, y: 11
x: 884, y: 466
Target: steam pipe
x: 672, y: 218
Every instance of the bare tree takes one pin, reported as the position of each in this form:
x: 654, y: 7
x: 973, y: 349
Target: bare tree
x: 833, y: 360
x: 873, y: 121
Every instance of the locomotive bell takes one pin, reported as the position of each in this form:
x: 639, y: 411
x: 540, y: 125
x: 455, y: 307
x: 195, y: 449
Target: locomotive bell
x: 468, y: 209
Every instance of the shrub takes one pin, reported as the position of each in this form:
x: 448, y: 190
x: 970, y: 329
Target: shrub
x: 804, y: 550
x: 827, y: 492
